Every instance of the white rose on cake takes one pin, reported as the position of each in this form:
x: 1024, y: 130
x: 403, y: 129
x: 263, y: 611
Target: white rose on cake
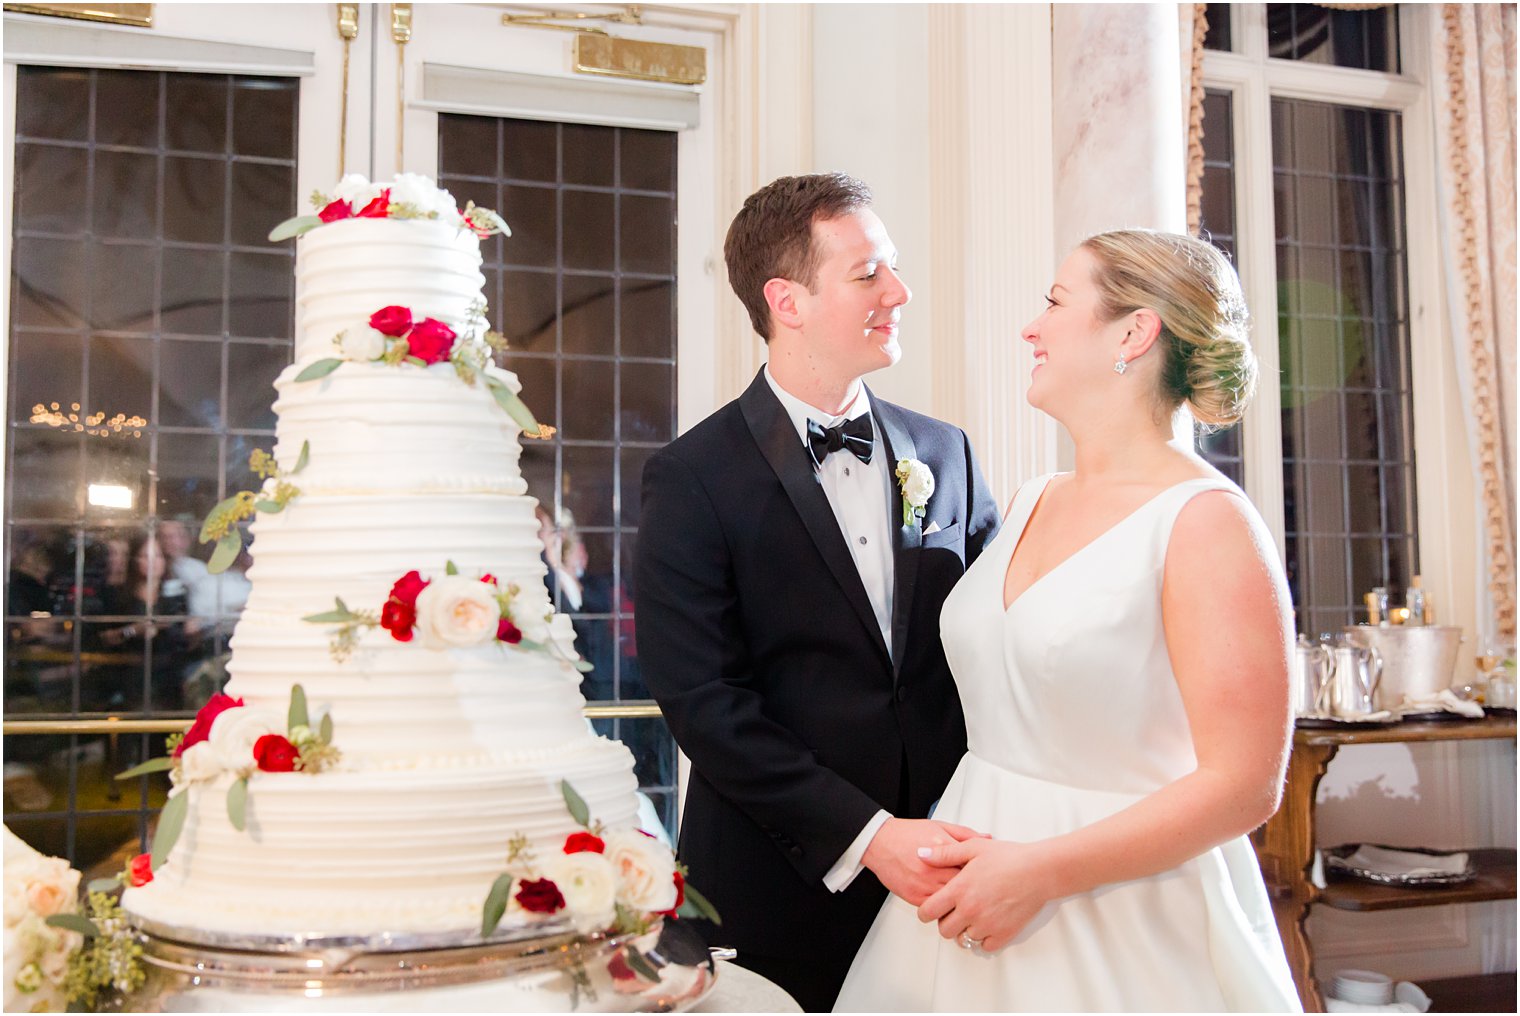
x: 361, y: 344
x: 424, y: 195
x: 530, y: 611
x: 234, y: 734
x: 356, y: 190
x: 588, y: 883
x: 457, y: 612
x: 200, y: 762
x: 646, y: 871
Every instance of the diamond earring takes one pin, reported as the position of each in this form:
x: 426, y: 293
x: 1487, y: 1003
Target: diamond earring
x: 1120, y: 366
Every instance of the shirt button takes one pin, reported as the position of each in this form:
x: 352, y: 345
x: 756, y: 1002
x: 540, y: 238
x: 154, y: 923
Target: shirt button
x: 862, y: 541
x: 902, y: 693
x: 847, y: 470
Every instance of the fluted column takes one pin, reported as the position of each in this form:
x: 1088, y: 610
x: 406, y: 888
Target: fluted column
x: 990, y: 237
x: 1119, y: 148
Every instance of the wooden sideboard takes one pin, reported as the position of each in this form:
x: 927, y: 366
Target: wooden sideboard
x: 1286, y: 847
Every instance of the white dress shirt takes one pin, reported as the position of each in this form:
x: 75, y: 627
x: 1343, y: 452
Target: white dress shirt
x: 858, y: 493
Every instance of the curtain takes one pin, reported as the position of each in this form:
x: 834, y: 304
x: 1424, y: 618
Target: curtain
x: 1474, y: 83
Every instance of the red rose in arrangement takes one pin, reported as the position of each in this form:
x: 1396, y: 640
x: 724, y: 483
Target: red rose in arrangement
x: 407, y: 588
x: 508, y: 632
x: 431, y: 341
x: 398, y: 619
x: 392, y: 321
x: 275, y: 754
x: 201, y: 728
x: 680, y: 897
x: 378, y: 208
x: 140, y: 871
x: 540, y: 897
x: 580, y: 842
x: 488, y: 579
x: 334, y: 211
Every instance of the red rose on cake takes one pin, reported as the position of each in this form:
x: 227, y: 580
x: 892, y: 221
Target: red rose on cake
x: 275, y: 754
x: 200, y: 730
x: 431, y: 341
x: 393, y: 321
x: 540, y: 896
x: 140, y: 871
x: 399, y: 614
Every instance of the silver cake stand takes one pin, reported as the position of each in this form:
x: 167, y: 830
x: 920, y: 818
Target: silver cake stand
x: 553, y: 971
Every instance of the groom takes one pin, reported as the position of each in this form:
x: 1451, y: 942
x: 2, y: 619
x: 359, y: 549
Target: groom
x: 788, y: 600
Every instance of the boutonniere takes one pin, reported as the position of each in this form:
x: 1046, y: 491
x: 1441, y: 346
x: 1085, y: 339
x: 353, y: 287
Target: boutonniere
x: 916, y: 481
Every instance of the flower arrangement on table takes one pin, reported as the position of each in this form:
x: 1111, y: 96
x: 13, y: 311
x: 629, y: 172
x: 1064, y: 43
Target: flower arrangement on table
x: 601, y: 881
x: 396, y: 335
x: 453, y: 611
x: 409, y: 196
x: 229, y: 736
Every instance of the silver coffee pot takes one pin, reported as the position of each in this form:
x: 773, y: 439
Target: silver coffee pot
x: 1354, y: 679
x: 1312, y: 665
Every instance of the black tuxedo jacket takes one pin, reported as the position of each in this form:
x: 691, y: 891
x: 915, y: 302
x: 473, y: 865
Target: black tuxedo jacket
x: 757, y: 637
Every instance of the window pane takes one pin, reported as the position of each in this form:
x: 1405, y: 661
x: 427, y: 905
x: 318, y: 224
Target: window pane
x: 1348, y: 473
x: 1218, y: 17
x: 1363, y: 39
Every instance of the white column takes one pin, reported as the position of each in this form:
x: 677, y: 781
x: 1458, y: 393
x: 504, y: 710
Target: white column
x: 991, y: 227
x: 1120, y: 151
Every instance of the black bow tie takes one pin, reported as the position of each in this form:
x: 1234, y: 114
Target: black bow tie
x: 856, y: 436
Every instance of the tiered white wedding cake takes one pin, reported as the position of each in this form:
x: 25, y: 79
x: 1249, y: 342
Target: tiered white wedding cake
x: 398, y: 583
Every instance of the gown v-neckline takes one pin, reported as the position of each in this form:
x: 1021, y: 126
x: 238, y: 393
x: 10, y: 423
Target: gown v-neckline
x: 1008, y: 604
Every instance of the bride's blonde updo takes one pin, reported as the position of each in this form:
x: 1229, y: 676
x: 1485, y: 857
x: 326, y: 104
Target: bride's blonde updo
x: 1205, y: 342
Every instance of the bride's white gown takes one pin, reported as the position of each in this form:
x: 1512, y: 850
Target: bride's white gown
x: 1072, y: 714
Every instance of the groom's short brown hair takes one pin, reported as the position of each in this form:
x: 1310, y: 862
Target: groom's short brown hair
x: 772, y: 236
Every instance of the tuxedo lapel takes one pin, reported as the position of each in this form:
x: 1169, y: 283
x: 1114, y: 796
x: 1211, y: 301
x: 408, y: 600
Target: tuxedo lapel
x: 905, y: 539
x: 783, y: 449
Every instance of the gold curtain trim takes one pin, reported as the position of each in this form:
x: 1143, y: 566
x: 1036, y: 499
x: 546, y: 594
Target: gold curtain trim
x: 1485, y: 380
x: 1195, y: 123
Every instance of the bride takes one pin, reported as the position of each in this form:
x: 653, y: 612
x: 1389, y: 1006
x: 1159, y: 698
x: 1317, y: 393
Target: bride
x: 1121, y: 651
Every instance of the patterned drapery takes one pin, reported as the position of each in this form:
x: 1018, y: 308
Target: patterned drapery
x: 1474, y: 80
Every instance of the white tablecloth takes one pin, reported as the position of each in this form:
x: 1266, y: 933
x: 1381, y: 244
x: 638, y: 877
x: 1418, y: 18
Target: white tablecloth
x: 741, y: 990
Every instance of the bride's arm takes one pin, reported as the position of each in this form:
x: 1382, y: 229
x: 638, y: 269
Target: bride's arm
x: 1226, y: 609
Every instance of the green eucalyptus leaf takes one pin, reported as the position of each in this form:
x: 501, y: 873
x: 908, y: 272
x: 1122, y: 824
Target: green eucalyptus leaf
x: 272, y: 507
x: 325, y: 731
x: 226, y: 552
x: 74, y: 922
x: 496, y: 904
x: 294, y: 227
x: 299, y: 716
x: 450, y: 568
x: 704, y: 908
x: 320, y: 369
x: 583, y: 667
x: 641, y: 966
x: 153, y: 765
x: 170, y: 822
x: 508, y: 400
x: 329, y: 617
x: 302, y: 459
x: 103, y: 885
x: 576, y: 804
x: 416, y: 361
x: 237, y: 804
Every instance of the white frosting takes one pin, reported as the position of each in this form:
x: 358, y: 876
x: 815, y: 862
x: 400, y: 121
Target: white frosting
x: 447, y: 754
x: 359, y: 854
x: 374, y: 427
x: 347, y: 270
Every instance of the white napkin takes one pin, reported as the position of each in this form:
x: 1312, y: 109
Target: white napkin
x: 1407, y: 862
x: 1407, y: 998
x: 1442, y: 701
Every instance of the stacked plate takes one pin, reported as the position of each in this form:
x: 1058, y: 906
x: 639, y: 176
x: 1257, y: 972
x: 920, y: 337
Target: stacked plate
x: 1364, y: 987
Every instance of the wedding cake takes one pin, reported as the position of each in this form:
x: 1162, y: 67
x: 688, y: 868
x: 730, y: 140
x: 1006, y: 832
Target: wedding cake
x: 401, y: 745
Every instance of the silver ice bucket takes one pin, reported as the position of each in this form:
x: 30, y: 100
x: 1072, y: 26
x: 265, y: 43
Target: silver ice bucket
x: 671, y: 972
x: 1418, y: 661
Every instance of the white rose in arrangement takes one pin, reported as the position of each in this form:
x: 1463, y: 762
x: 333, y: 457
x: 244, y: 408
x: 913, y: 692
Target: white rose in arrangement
x: 530, y: 611
x: 646, y: 871
x: 423, y: 194
x: 200, y: 762
x: 588, y: 883
x: 455, y: 611
x: 360, y: 344
x: 917, y: 482
x: 236, y: 731
x: 38, y: 885
x: 356, y: 190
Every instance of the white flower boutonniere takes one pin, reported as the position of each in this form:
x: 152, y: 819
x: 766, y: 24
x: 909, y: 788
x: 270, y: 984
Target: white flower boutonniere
x: 916, y: 481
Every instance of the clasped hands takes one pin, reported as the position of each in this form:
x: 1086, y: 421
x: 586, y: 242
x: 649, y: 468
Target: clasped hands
x: 981, y: 891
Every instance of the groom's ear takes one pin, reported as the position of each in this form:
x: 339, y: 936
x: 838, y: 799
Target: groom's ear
x: 780, y: 296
